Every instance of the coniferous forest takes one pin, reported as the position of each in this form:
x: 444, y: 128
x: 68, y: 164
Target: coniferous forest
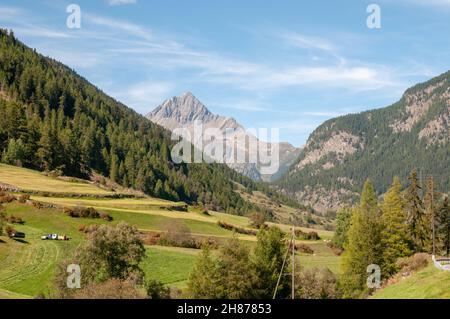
x: 51, y: 119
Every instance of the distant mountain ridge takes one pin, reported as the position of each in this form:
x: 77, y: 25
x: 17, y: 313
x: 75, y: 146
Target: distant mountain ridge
x: 184, y: 110
x: 342, y: 152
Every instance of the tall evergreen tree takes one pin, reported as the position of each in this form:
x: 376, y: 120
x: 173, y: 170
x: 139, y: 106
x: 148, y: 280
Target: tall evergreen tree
x: 394, y: 236
x: 443, y: 229
x: 267, y: 261
x: 343, y: 219
x: 415, y: 213
x: 430, y: 203
x: 364, y: 244
x: 204, y: 280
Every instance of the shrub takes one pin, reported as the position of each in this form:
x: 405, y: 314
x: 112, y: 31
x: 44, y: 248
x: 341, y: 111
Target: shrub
x: 82, y: 228
x: 336, y: 249
x: 317, y: 284
x: 237, y: 229
x: 7, y: 198
x: 157, y: 290
x: 312, y: 235
x: 23, y: 198
x: 16, y: 220
x: 85, y: 212
x: 38, y: 205
x: 413, y: 263
x: 205, y: 212
x: 257, y: 220
x: 9, y: 231
x: 106, y: 217
x: 304, y: 249
x: 113, y: 288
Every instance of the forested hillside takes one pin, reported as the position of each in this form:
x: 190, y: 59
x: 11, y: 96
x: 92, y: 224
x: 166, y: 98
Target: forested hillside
x: 51, y: 119
x: 342, y: 153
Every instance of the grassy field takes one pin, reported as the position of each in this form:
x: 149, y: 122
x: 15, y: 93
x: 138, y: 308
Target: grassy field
x: 170, y: 265
x: 27, y: 266
x: 29, y: 180
x: 323, y: 257
x: 429, y: 283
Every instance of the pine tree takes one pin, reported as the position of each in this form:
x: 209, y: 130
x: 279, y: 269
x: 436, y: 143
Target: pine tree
x: 340, y: 238
x: 429, y: 226
x: 204, y: 280
x: 443, y: 226
x: 364, y: 244
x: 415, y: 213
x: 15, y: 153
x: 267, y: 260
x: 237, y: 277
x: 394, y: 237
x: 114, y: 169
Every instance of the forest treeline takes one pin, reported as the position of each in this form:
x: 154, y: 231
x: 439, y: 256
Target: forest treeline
x: 51, y: 119
x: 382, y: 232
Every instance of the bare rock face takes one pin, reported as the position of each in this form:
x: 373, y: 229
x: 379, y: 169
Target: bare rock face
x: 186, y: 111
x: 378, y: 144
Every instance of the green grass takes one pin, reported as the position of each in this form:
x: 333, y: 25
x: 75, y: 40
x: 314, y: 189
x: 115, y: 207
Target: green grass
x: 29, y: 180
x: 429, y: 283
x: 169, y: 265
x: 323, y: 257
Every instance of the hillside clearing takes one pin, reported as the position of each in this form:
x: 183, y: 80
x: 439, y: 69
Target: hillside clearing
x: 29, y: 180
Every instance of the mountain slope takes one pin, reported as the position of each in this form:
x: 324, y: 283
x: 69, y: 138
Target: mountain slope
x: 343, y: 152
x: 54, y: 120
x: 186, y: 110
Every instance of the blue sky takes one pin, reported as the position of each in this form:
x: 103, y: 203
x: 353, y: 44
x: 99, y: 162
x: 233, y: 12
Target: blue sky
x: 287, y: 64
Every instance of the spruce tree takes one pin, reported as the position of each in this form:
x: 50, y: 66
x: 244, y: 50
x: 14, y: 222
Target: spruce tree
x: 364, y: 244
x: 443, y: 226
x: 415, y: 213
x: 204, y: 280
x: 267, y: 260
x: 394, y: 236
x: 343, y: 218
x: 429, y: 226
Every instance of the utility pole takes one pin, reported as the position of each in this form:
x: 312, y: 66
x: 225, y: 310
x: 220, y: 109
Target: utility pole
x: 432, y: 215
x: 291, y: 241
x: 293, y: 262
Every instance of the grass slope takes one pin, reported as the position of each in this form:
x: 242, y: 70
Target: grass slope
x: 429, y: 283
x: 29, y: 180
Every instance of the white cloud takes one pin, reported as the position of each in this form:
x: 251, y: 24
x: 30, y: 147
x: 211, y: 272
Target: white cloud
x: 144, y: 96
x: 306, y: 42
x: 121, y: 2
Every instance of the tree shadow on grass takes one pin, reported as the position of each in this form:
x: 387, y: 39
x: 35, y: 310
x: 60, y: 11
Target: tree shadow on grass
x: 23, y: 241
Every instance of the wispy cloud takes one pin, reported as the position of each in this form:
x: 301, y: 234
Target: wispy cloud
x: 306, y: 42
x: 144, y: 96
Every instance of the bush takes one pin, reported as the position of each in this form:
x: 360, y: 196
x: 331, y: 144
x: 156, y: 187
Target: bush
x: 157, y: 290
x: 304, y: 249
x: 413, y: 263
x: 23, y: 198
x: 9, y: 231
x: 317, y: 284
x: 106, y: 217
x: 237, y: 229
x: 205, y: 212
x: 15, y: 220
x: 7, y: 198
x: 257, y: 220
x: 312, y: 235
x: 38, y: 205
x: 85, y: 212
